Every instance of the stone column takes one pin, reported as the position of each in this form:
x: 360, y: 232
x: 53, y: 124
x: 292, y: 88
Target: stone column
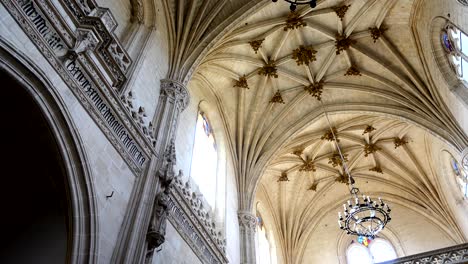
x: 247, y: 228
x: 137, y: 237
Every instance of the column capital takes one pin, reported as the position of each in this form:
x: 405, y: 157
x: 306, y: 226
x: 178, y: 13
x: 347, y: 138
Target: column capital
x: 247, y: 221
x: 176, y: 90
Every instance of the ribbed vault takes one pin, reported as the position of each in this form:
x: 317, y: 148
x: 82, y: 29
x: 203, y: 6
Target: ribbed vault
x: 276, y: 74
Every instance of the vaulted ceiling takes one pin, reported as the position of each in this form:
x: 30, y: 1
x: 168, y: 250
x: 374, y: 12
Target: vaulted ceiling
x: 276, y: 74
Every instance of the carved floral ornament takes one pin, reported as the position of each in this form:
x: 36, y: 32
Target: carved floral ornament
x: 247, y: 221
x: 269, y: 70
x: 315, y: 90
x: 304, y: 55
x: 376, y: 32
x: 341, y: 10
x: 256, y: 44
x: 241, y: 83
x: 176, y: 91
x: 294, y: 21
x: 343, y: 43
x: 277, y: 98
x: 353, y: 71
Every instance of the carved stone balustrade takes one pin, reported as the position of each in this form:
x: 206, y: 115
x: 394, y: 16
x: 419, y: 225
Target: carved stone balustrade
x: 452, y: 255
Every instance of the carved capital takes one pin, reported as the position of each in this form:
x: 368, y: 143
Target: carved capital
x: 247, y: 221
x: 175, y: 90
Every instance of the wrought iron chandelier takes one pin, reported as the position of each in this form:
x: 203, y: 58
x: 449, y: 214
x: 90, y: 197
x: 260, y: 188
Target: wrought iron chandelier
x: 361, y: 216
x: 295, y: 3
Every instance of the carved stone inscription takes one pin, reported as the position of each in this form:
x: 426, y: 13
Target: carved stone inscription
x: 43, y: 27
x: 66, y: 54
x: 106, y: 112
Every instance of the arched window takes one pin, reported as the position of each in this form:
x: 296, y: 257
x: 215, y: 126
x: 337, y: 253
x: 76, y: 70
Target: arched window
x: 263, y: 244
x: 455, y: 43
x: 366, y: 251
x: 461, y: 173
x: 205, y: 160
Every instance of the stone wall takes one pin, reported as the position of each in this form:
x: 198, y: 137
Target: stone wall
x: 109, y: 171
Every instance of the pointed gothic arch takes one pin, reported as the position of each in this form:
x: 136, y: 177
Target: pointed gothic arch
x: 83, y: 216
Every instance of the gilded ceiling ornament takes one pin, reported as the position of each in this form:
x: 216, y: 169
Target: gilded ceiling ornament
x: 298, y: 152
x: 370, y: 148
x: 377, y: 169
x: 399, y: 142
x: 308, y: 165
x: 313, y: 187
x: 329, y: 135
x: 269, y: 70
x: 304, y: 55
x: 277, y: 98
x: 256, y: 44
x: 242, y: 83
x: 283, y: 177
x: 294, y: 21
x: 315, y: 90
x: 336, y: 160
x: 353, y: 70
x: 341, y: 10
x: 343, y: 43
x: 368, y: 129
x: 377, y: 32
x: 343, y: 179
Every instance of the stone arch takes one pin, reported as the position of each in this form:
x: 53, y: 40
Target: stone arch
x: 80, y: 191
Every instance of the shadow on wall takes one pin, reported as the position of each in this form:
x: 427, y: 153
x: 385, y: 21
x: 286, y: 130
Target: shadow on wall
x: 35, y: 208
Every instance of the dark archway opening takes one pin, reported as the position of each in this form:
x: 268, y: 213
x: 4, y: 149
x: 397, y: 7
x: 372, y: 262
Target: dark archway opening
x: 35, y: 209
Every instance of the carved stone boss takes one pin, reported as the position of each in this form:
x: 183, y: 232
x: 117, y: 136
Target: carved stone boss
x: 90, y: 60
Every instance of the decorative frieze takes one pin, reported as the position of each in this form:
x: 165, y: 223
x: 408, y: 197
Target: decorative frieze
x: 188, y: 215
x: 455, y: 254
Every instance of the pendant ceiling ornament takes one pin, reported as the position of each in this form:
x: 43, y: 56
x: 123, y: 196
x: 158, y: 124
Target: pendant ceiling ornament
x: 362, y: 217
x: 295, y: 3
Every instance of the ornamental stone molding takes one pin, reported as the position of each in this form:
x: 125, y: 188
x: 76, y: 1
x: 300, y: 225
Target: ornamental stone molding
x: 247, y: 221
x: 464, y: 159
x: 83, y: 49
x: 455, y: 255
x: 176, y: 91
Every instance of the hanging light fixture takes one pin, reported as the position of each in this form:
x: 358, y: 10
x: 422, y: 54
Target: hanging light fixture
x: 295, y: 3
x: 361, y: 216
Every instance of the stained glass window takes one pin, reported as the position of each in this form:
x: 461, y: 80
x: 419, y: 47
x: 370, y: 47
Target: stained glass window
x: 455, y: 43
x: 205, y: 160
x: 367, y: 251
x: 461, y: 174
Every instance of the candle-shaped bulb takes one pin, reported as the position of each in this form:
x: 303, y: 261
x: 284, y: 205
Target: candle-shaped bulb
x: 356, y: 200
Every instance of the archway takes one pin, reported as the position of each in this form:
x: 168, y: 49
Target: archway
x: 47, y: 196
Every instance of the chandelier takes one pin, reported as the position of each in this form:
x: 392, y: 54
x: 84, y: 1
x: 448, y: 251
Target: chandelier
x: 362, y: 217
x: 295, y: 3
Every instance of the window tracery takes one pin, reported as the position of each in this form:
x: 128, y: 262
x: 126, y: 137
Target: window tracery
x: 455, y: 43
x: 461, y: 174
x: 367, y: 251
